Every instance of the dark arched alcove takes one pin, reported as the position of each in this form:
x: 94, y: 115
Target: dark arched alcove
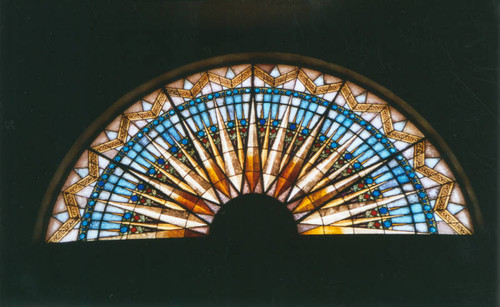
x: 254, y: 219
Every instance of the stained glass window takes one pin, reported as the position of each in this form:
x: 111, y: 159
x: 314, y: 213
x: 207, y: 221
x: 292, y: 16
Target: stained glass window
x: 341, y: 158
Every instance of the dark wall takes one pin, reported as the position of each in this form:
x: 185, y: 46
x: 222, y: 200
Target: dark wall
x: 64, y: 63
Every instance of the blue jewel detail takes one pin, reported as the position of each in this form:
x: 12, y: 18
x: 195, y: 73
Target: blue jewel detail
x: 160, y: 161
x: 210, y: 96
x: 333, y: 145
x: 348, y: 156
x: 383, y: 210
x: 293, y: 126
x: 243, y: 122
x: 387, y: 224
x: 262, y: 121
x: 174, y: 149
x: 123, y: 229
x: 134, y: 198
x: 322, y: 138
x: 127, y: 215
x: 217, y: 95
x: 295, y: 94
x: 433, y: 229
x: 140, y: 187
x: 201, y: 133
x: 198, y: 100
x: 275, y: 123
x: 213, y: 128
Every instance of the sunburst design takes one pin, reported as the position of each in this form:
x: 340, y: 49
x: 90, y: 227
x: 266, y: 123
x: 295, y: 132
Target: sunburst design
x: 342, y: 160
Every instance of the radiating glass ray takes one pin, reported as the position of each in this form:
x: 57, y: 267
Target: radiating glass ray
x: 292, y: 169
x: 252, y: 163
x: 214, y: 172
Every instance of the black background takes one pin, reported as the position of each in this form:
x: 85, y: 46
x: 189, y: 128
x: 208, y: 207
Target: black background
x: 64, y: 63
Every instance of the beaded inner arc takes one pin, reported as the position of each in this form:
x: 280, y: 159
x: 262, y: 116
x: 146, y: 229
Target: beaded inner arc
x: 340, y: 158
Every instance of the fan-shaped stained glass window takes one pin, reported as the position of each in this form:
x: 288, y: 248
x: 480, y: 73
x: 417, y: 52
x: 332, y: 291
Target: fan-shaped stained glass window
x: 340, y: 156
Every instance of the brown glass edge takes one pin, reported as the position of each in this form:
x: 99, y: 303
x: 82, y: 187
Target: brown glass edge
x: 125, y: 101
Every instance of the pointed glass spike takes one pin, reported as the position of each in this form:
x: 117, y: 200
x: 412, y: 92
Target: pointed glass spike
x: 308, y: 180
x: 265, y: 144
x: 197, y: 184
x: 292, y: 169
x: 290, y: 147
x: 215, y: 151
x: 319, y: 197
x: 357, y: 221
x: 271, y: 167
x: 334, y: 230
x: 176, y: 181
x: 160, y: 226
x: 189, y: 201
x: 183, y: 219
x: 231, y: 162
x: 239, y: 142
x: 214, y: 172
x: 161, y: 201
x: 334, y: 214
x: 252, y: 162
